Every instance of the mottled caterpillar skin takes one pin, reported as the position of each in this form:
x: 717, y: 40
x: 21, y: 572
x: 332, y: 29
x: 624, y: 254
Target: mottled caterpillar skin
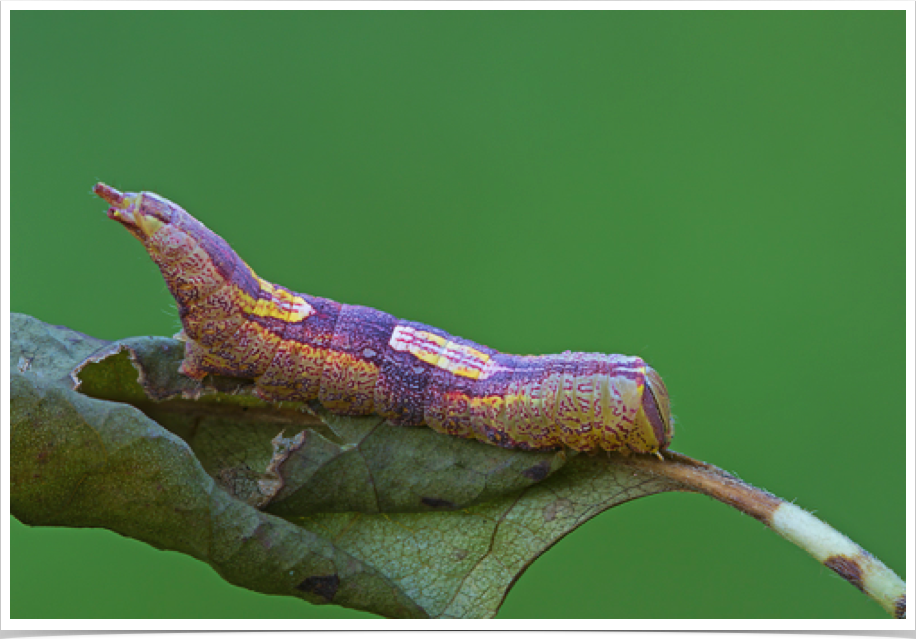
x: 357, y: 360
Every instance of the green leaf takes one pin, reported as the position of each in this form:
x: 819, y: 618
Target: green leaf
x: 402, y: 522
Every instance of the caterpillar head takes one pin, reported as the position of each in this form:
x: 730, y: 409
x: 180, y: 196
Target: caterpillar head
x: 142, y: 214
x: 655, y: 413
x: 175, y: 241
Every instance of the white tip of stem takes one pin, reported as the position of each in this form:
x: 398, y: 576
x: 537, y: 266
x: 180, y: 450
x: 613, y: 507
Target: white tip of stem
x: 839, y: 553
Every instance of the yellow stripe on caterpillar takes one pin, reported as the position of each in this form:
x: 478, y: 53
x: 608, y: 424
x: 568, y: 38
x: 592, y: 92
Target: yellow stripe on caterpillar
x: 435, y: 350
x: 278, y: 303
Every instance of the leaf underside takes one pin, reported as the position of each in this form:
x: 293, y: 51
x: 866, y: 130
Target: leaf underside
x: 286, y: 499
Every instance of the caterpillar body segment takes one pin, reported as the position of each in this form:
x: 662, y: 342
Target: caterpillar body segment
x: 357, y: 360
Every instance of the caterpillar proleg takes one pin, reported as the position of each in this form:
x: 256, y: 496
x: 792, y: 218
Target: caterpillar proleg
x: 357, y: 360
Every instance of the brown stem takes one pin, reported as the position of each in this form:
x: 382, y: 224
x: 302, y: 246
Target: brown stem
x: 831, y: 548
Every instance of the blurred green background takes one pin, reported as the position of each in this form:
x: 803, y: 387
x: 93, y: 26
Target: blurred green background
x: 721, y: 193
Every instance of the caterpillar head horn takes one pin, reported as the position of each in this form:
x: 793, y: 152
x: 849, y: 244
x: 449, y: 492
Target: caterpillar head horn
x: 140, y: 213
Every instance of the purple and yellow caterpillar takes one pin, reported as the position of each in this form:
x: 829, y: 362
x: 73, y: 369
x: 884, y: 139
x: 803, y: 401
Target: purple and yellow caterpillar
x: 357, y: 360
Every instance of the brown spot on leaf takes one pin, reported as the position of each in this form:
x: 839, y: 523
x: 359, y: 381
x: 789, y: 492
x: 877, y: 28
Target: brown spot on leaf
x: 560, y: 507
x: 435, y: 502
x: 900, y: 608
x: 325, y: 586
x: 460, y: 554
x: 42, y: 457
x: 539, y: 471
x: 848, y: 568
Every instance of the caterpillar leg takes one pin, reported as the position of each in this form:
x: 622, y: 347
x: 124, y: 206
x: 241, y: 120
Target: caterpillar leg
x: 191, y: 366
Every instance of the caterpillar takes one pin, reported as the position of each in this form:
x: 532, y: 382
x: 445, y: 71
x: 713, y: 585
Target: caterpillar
x: 357, y: 360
